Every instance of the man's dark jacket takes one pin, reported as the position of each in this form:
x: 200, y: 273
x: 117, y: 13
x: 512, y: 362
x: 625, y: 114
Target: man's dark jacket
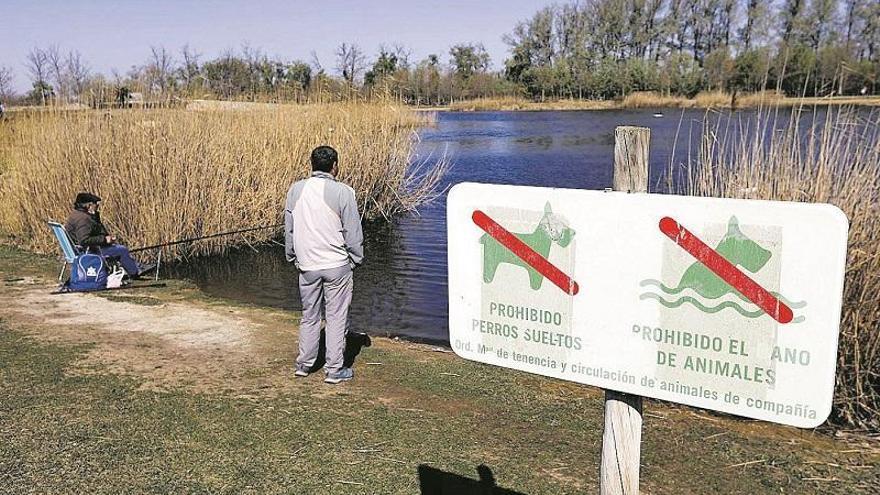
x: 86, y: 229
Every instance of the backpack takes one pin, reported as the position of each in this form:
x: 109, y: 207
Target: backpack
x: 89, y: 272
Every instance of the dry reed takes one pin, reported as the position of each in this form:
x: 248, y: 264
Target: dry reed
x: 711, y: 99
x: 651, y: 99
x: 172, y: 174
x: 511, y: 103
x: 831, y: 156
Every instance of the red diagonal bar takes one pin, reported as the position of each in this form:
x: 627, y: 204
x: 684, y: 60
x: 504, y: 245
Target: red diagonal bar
x: 525, y: 253
x: 726, y: 270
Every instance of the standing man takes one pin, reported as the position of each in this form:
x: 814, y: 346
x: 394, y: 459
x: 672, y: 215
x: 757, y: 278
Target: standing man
x: 323, y: 237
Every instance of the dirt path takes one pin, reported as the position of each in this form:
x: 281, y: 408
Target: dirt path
x: 156, y: 335
x: 172, y: 337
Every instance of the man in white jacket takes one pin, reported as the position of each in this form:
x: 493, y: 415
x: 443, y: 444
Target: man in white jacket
x: 323, y: 237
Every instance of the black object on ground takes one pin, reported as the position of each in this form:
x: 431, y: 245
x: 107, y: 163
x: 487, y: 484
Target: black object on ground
x: 354, y: 342
x: 433, y: 481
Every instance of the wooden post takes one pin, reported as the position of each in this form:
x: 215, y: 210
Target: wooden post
x: 631, y: 159
x: 622, y: 438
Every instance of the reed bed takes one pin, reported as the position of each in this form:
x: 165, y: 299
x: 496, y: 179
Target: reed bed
x: 172, y: 173
x: 719, y: 99
x: 813, y: 155
x: 651, y: 99
x: 514, y: 103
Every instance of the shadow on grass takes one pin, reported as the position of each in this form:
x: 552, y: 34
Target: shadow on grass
x: 436, y: 482
x: 354, y: 342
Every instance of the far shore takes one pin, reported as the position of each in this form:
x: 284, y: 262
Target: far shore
x: 636, y: 100
x: 652, y: 100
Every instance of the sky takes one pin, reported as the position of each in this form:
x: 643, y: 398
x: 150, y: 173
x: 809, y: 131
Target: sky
x: 118, y: 34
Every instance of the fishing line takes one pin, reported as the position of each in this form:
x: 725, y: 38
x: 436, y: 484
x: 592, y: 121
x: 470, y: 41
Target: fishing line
x: 211, y: 236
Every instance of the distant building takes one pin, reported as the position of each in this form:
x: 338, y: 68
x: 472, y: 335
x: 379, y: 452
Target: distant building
x: 135, y: 100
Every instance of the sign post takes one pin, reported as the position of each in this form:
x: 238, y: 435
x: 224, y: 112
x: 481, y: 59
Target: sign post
x: 731, y: 305
x: 622, y: 437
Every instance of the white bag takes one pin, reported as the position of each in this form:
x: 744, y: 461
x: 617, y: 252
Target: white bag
x: 114, y: 280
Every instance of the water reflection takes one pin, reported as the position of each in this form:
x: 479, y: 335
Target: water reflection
x: 398, y: 291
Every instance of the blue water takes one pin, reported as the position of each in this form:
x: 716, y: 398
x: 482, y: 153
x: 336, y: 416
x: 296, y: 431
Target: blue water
x: 401, y: 290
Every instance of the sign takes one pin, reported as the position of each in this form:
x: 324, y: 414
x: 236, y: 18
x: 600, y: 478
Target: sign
x: 723, y: 304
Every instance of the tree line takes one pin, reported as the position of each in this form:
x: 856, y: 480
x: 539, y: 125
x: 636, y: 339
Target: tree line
x: 250, y: 74
x: 593, y: 49
x: 608, y: 48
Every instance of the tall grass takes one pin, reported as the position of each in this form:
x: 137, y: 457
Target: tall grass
x: 515, y: 103
x: 173, y: 173
x: 830, y: 155
x: 651, y: 99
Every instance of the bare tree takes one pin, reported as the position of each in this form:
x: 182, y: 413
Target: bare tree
x: 257, y: 63
x: 403, y: 54
x: 189, y: 69
x: 870, y: 32
x: 727, y: 14
x: 316, y: 63
x: 791, y: 14
x: 820, y: 22
x: 6, y: 77
x: 350, y: 61
x: 159, y: 70
x: 851, y: 14
x: 757, y: 25
x: 77, y: 73
x: 747, y: 30
x: 648, y: 31
x: 57, y: 71
x: 116, y: 76
x: 37, y: 64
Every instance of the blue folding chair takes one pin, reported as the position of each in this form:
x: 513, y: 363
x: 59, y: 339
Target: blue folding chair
x: 68, y: 248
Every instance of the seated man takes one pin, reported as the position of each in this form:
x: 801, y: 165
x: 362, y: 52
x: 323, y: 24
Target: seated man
x: 85, y: 227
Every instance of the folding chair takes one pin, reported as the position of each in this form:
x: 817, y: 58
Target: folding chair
x: 68, y: 248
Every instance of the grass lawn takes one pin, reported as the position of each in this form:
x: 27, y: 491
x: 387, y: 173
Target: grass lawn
x: 413, y: 421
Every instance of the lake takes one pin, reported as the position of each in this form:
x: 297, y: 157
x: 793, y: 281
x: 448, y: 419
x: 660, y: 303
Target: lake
x: 401, y: 289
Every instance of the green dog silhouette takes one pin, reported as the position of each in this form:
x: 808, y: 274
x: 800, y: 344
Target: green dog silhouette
x: 550, y: 229
x: 736, y: 248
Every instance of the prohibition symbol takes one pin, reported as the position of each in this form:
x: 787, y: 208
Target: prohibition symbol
x: 523, y: 251
x: 725, y: 270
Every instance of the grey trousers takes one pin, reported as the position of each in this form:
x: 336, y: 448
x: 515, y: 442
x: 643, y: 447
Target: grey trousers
x: 328, y: 292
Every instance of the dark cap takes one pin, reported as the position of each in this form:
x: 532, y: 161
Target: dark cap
x: 84, y: 197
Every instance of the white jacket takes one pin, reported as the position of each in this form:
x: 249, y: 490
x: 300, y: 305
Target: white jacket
x: 322, y: 227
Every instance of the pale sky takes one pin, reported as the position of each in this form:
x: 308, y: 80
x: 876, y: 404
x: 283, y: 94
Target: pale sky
x: 116, y: 34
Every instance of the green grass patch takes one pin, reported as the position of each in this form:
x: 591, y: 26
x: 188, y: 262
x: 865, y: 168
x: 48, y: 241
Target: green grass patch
x: 65, y: 433
x: 16, y: 264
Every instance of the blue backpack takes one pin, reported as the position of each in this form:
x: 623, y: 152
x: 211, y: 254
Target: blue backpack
x: 89, y: 272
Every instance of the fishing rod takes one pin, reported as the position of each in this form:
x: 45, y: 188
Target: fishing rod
x: 211, y: 236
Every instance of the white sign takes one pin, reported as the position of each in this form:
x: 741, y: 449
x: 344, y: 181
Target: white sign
x: 731, y: 305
